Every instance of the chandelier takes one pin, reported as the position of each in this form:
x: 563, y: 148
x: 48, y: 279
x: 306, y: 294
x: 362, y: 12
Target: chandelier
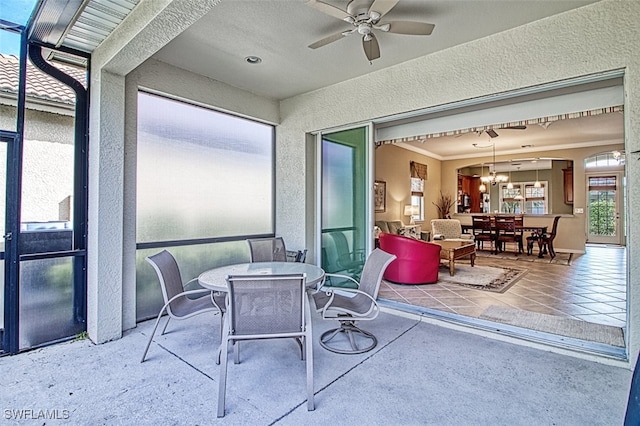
x: 493, y: 177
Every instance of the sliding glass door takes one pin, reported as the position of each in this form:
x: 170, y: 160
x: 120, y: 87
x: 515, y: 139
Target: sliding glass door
x: 345, y: 200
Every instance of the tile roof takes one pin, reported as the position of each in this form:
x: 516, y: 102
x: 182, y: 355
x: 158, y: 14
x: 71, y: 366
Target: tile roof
x: 39, y: 85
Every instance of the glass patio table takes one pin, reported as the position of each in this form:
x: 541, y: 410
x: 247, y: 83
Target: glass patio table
x: 215, y: 279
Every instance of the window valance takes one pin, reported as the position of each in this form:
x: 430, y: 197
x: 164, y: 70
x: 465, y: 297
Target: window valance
x: 541, y: 121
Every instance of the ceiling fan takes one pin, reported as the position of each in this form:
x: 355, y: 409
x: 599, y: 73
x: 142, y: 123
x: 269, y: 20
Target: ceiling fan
x: 493, y: 134
x: 365, y: 17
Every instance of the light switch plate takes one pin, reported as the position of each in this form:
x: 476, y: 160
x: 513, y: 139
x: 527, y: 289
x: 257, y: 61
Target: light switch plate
x: 578, y: 210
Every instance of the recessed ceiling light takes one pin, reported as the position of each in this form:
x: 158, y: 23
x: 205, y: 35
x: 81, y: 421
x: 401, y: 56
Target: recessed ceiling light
x: 253, y: 59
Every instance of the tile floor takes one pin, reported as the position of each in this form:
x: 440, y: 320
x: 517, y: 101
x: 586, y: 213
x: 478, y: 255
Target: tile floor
x: 592, y: 288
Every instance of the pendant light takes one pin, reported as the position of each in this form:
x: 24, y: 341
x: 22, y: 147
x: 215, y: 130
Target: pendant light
x: 482, y: 187
x: 510, y: 184
x: 537, y: 184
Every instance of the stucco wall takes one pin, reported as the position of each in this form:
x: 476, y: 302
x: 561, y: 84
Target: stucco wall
x: 565, y: 46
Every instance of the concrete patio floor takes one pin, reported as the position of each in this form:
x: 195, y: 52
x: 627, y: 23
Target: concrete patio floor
x: 419, y: 373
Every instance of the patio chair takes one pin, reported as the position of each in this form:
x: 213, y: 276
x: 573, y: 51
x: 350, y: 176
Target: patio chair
x: 346, y: 305
x: 177, y: 304
x: 347, y: 260
x: 267, y: 250
x: 266, y: 307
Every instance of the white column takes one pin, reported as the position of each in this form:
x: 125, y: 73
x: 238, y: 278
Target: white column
x: 106, y: 195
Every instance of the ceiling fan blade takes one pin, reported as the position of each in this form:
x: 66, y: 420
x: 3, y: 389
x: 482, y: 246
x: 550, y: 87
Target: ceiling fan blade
x: 371, y: 47
x: 327, y: 40
x: 328, y: 9
x: 382, y: 6
x: 516, y: 127
x: 410, y: 28
x: 492, y: 133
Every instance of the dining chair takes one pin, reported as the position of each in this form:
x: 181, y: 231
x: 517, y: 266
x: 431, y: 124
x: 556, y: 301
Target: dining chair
x: 267, y: 249
x: 482, y: 231
x: 177, y: 303
x: 506, y: 232
x: 266, y: 307
x: 519, y: 219
x: 545, y: 240
x: 347, y: 305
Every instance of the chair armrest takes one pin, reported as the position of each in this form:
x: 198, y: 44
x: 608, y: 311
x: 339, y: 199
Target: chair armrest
x: 185, y: 293
x: 332, y: 291
x: 322, y: 285
x: 438, y: 237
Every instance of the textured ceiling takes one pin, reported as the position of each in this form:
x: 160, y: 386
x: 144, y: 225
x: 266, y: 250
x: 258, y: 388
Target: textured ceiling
x: 279, y: 32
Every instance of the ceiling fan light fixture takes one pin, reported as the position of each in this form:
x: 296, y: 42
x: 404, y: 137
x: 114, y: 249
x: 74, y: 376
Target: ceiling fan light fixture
x: 364, y: 29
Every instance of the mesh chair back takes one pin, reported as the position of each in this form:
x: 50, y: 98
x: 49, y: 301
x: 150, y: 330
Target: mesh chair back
x: 266, y: 306
x: 267, y: 250
x: 373, y: 270
x: 170, y: 280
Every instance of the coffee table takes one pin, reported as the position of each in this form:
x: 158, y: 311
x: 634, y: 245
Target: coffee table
x: 453, y: 250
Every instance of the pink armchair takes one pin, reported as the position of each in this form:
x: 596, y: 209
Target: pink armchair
x: 417, y: 261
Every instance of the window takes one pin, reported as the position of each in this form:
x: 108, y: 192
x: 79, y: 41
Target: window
x: 201, y: 173
x: 418, y: 176
x: 205, y: 183
x: 524, y: 197
x: 417, y: 197
x: 608, y: 159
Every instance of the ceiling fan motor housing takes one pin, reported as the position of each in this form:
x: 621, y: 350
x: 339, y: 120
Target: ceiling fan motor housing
x: 359, y: 9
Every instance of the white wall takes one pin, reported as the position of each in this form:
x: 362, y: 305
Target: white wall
x: 596, y: 38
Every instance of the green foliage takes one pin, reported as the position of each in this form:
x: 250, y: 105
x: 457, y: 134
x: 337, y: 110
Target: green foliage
x: 601, y: 214
x: 81, y: 336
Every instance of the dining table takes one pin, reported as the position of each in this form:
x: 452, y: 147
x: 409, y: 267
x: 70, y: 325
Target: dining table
x: 216, y: 278
x: 535, y: 230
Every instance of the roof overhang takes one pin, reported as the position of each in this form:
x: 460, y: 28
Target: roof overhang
x: 77, y: 25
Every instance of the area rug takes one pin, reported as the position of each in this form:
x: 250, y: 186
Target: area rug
x: 562, y: 326
x: 487, y: 278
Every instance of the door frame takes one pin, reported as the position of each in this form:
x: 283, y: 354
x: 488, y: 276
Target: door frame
x: 370, y: 172
x: 10, y: 256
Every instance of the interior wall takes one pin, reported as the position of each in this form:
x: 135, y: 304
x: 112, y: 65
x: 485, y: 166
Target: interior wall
x: 565, y: 46
x: 392, y: 166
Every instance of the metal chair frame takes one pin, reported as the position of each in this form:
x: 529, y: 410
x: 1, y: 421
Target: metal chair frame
x: 239, y: 327
x: 177, y: 305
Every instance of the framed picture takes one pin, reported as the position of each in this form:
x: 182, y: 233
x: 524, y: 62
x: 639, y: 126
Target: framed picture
x: 380, y: 196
